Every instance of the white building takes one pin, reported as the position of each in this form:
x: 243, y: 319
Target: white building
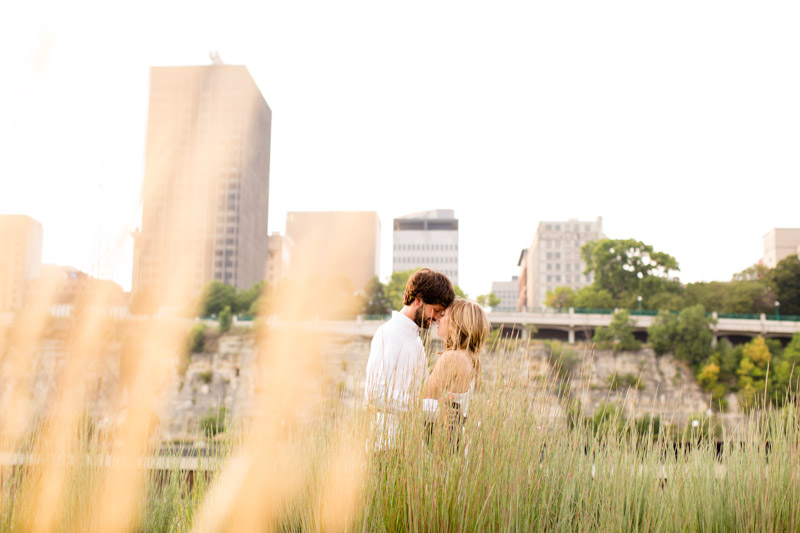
x: 780, y: 243
x: 508, y: 292
x: 427, y: 239
x: 554, y: 258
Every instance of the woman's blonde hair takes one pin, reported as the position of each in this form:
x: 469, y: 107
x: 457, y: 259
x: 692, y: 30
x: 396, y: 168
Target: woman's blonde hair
x: 467, y: 329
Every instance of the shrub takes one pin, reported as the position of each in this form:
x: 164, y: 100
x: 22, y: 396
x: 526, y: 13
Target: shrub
x: 197, y: 336
x: 225, y: 320
x: 214, y: 422
x: 625, y: 381
x: 206, y: 377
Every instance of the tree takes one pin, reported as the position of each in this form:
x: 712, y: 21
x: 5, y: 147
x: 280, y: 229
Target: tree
x: 621, y: 265
x: 225, y: 320
x: 375, y: 300
x: 592, y: 297
x: 216, y: 297
x: 693, y: 335
x: 244, y: 300
x: 560, y: 298
x: 396, y: 286
x: 618, y: 335
x: 787, y: 371
x: 785, y: 281
x: 488, y: 300
x: 661, y: 333
x: 752, y: 373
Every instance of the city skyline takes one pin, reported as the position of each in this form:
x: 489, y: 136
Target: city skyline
x: 509, y: 116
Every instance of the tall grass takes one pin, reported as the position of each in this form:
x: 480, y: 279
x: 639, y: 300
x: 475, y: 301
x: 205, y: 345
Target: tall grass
x: 522, y: 464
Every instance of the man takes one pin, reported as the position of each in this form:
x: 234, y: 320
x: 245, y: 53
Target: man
x: 397, y: 365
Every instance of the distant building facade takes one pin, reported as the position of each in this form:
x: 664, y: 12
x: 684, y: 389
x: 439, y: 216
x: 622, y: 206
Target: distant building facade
x: 427, y: 239
x: 554, y: 258
x: 335, y: 244
x: 780, y: 243
x: 522, y: 286
x: 71, y: 284
x: 508, y: 292
x: 20, y: 258
x: 280, y: 257
x: 206, y: 185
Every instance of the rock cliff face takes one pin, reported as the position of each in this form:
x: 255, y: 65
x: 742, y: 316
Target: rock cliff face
x: 223, y: 377
x: 641, y: 382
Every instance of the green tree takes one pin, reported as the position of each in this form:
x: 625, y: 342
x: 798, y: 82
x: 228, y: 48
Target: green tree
x: 787, y: 371
x: 620, y: 265
x: 560, y: 298
x: 693, y: 335
x: 225, y: 320
x: 244, y: 300
x: 397, y: 285
x: 618, y: 335
x: 216, y: 297
x: 661, y: 333
x: 488, y: 300
x: 592, y: 297
x: 375, y: 300
x: 752, y: 373
x: 785, y: 281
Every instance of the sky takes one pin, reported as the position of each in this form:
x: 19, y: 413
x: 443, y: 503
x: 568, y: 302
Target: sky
x: 677, y: 122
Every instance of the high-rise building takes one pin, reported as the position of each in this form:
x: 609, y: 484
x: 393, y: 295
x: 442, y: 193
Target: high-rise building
x: 206, y: 184
x: 280, y: 257
x: 554, y: 258
x: 20, y: 258
x: 335, y: 244
x: 427, y: 239
x: 780, y: 243
x: 508, y: 293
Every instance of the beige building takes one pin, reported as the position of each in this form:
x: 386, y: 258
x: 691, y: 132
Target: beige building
x: 508, y: 293
x: 780, y: 243
x: 20, y: 258
x: 280, y: 257
x: 427, y: 239
x: 554, y: 258
x: 206, y: 183
x: 335, y: 244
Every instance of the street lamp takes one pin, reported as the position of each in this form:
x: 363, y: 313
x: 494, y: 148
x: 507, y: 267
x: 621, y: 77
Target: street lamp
x: 639, y: 299
x: 777, y: 310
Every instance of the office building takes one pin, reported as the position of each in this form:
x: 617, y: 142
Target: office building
x: 508, y: 293
x: 20, y: 258
x: 280, y: 257
x: 335, y: 244
x: 554, y: 258
x: 780, y: 243
x: 427, y: 239
x: 206, y: 183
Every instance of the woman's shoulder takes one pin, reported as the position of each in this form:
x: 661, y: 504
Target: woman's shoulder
x: 456, y: 356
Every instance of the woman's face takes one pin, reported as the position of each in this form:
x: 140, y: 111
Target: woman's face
x: 443, y: 323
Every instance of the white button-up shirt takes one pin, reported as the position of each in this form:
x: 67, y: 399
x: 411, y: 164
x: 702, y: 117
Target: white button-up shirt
x: 396, y: 369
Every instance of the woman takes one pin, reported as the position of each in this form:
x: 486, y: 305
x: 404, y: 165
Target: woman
x: 464, y: 328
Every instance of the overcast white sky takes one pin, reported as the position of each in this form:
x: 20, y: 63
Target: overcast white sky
x: 678, y: 122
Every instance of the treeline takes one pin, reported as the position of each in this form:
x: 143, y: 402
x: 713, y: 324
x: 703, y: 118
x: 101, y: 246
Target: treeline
x: 761, y: 372
x: 628, y: 274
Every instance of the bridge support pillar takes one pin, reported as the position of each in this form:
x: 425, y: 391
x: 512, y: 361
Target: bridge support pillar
x: 571, y: 335
x: 714, y: 341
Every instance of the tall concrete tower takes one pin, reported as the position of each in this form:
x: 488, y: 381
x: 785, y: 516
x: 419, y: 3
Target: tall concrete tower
x: 206, y: 184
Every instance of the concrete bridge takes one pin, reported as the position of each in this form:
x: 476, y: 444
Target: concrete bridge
x: 570, y: 325
x: 573, y: 326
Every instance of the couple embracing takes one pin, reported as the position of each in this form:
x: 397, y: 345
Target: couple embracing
x: 397, y: 366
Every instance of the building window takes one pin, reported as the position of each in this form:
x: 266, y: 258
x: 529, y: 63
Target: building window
x: 549, y: 255
x: 549, y: 278
x: 549, y: 266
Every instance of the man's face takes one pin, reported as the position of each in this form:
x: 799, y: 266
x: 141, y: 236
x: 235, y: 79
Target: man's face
x: 427, y: 314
